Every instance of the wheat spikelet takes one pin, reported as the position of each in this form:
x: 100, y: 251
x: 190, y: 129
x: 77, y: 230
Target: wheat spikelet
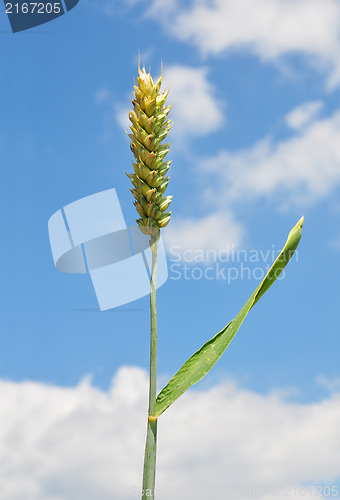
x: 149, y: 127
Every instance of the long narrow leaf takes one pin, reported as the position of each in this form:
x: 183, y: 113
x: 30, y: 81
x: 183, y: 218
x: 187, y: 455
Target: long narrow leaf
x: 198, y: 365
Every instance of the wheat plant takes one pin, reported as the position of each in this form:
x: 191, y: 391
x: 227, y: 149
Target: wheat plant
x: 149, y: 127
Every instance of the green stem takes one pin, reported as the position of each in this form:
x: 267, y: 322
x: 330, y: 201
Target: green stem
x: 151, y: 436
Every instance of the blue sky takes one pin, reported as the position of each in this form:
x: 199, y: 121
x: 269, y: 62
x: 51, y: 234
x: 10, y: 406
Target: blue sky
x: 255, y: 144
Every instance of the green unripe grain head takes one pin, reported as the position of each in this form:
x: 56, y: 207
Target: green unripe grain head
x: 149, y: 127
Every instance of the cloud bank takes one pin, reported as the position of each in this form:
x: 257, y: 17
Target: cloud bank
x: 197, y: 111
x: 295, y: 172
x: 219, y: 231
x: 269, y: 29
x: 300, y: 170
x: 222, y: 442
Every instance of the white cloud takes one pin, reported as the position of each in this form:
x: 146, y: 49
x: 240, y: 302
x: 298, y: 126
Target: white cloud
x: 303, y: 115
x: 122, y: 117
x: 72, y: 443
x: 196, y: 111
x: 269, y: 29
x: 217, y: 231
x: 332, y: 385
x: 81, y: 442
x: 299, y: 170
